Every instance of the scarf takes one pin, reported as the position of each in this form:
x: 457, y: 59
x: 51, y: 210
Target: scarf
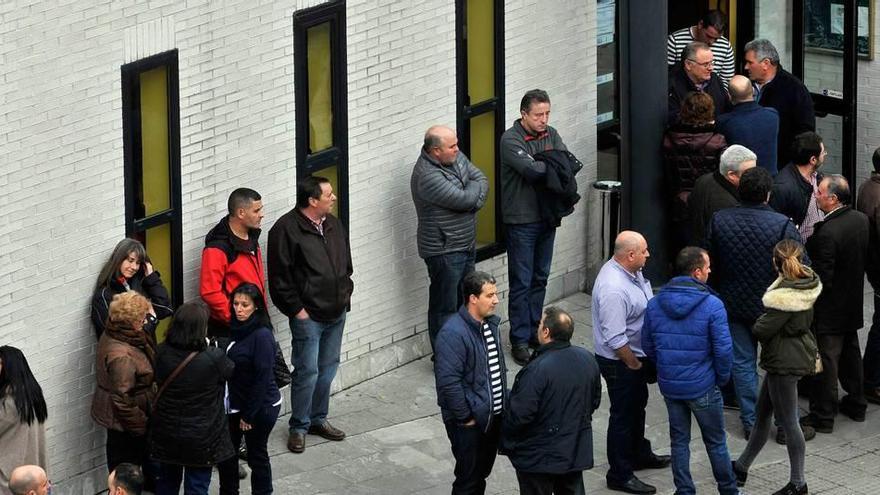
x: 124, y: 332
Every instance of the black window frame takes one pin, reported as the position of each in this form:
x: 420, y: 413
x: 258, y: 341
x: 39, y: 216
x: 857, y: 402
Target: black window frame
x: 466, y: 111
x: 308, y: 163
x: 136, y: 221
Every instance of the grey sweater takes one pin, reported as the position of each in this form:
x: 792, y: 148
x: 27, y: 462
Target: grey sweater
x: 520, y: 172
x: 447, y: 199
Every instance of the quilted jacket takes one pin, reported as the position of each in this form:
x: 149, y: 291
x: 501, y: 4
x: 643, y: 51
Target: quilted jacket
x: 740, y: 242
x: 686, y: 334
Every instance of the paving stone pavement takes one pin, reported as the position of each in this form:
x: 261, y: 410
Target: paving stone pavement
x: 397, y: 443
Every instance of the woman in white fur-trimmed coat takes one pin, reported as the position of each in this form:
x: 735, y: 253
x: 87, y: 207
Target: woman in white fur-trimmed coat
x: 788, y: 352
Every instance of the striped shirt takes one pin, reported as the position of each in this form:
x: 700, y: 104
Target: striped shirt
x: 721, y: 51
x: 494, y: 369
x: 814, y: 214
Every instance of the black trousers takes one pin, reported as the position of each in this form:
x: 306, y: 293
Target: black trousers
x: 551, y: 484
x: 841, y: 361
x: 123, y: 446
x: 474, y: 452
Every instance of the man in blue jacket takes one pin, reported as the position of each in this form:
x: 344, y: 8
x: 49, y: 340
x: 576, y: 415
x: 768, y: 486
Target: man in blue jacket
x: 471, y: 385
x: 548, y: 433
x: 686, y: 334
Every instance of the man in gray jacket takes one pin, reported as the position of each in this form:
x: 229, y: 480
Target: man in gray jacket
x: 529, y: 238
x: 447, y: 190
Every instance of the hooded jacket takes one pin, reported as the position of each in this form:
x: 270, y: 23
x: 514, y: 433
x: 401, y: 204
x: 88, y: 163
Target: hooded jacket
x: 227, y: 262
x: 686, y: 334
x: 787, y: 345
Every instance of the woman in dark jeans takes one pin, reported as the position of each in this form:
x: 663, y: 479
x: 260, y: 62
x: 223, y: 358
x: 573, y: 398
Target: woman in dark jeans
x: 254, y: 399
x: 188, y: 428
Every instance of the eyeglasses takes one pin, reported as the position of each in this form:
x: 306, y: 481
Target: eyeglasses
x: 704, y: 65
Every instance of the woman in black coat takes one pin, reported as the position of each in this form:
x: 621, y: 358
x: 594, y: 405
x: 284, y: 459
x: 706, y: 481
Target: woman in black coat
x: 188, y: 428
x: 129, y: 268
x: 254, y: 398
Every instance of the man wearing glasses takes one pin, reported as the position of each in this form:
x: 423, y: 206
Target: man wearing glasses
x: 709, y: 30
x: 695, y: 74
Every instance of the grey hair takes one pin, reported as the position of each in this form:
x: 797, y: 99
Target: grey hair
x: 690, y: 50
x: 733, y: 157
x: 763, y: 49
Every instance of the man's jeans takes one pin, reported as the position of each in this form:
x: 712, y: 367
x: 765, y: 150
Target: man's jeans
x: 529, y: 254
x: 626, y: 442
x: 745, y: 371
x: 871, y: 359
x: 315, y: 358
x: 474, y: 451
x: 446, y: 272
x: 708, y: 409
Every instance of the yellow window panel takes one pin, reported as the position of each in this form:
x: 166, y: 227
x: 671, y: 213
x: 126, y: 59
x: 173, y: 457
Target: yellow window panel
x: 320, y: 88
x: 157, y: 241
x: 154, y: 141
x: 480, y: 26
x: 483, y: 156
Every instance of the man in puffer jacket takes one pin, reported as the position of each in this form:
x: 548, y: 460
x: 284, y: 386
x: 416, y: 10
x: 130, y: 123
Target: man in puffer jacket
x: 686, y: 334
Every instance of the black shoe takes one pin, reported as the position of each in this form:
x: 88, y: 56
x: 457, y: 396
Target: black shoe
x: 654, y: 462
x: 521, y: 354
x: 633, y: 485
x: 872, y: 395
x: 326, y: 430
x: 296, y: 443
x: 747, y: 432
x: 851, y: 411
x: 242, y: 452
x: 741, y: 475
x: 790, y: 489
x: 811, y: 421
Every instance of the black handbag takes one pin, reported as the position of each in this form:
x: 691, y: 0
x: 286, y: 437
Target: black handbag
x: 281, y: 369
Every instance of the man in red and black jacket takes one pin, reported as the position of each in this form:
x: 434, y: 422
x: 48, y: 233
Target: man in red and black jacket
x: 231, y: 257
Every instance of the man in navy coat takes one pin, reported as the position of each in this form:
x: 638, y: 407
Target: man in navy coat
x: 750, y: 124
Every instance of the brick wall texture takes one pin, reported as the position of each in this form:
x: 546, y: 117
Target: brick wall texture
x: 61, y: 162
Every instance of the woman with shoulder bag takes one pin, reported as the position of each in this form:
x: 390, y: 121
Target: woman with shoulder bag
x: 254, y: 398
x: 188, y: 428
x: 788, y: 352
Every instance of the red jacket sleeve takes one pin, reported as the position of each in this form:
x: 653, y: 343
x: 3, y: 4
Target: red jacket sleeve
x: 213, y: 274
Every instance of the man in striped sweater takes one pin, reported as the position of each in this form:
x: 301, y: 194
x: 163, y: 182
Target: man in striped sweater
x: 709, y: 31
x: 471, y: 384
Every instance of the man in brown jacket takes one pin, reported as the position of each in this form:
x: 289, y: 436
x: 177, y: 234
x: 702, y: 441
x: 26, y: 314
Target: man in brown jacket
x: 868, y: 202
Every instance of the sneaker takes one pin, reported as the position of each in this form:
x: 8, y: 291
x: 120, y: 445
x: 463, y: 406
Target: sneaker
x: 741, y: 475
x: 521, y: 354
x: 790, y: 489
x: 809, y: 434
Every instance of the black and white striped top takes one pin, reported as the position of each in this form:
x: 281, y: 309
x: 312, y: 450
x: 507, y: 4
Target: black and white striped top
x: 494, y: 369
x: 721, y: 51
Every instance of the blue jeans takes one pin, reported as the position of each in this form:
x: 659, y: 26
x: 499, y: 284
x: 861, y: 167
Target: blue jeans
x: 745, y: 370
x: 446, y: 272
x: 529, y: 254
x: 626, y: 442
x: 196, y: 480
x: 315, y: 357
x: 708, y: 409
x: 871, y: 361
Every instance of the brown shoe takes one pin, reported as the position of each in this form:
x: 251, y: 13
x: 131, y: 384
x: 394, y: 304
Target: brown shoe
x: 326, y: 430
x: 296, y: 443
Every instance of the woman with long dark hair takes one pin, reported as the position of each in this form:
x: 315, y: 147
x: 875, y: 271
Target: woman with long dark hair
x: 254, y: 399
x: 124, y: 372
x: 188, y: 428
x: 129, y: 268
x: 788, y: 352
x: 22, y: 416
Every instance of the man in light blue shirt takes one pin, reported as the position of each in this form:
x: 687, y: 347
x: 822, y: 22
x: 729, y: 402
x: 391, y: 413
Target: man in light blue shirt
x: 620, y: 296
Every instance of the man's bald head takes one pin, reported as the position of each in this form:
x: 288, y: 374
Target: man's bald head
x: 631, y: 250
x: 741, y: 90
x: 441, y: 143
x: 28, y: 479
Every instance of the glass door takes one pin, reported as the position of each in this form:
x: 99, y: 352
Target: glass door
x: 607, y: 113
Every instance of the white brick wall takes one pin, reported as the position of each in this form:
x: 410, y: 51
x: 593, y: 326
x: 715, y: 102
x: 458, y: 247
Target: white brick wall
x: 61, y: 173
